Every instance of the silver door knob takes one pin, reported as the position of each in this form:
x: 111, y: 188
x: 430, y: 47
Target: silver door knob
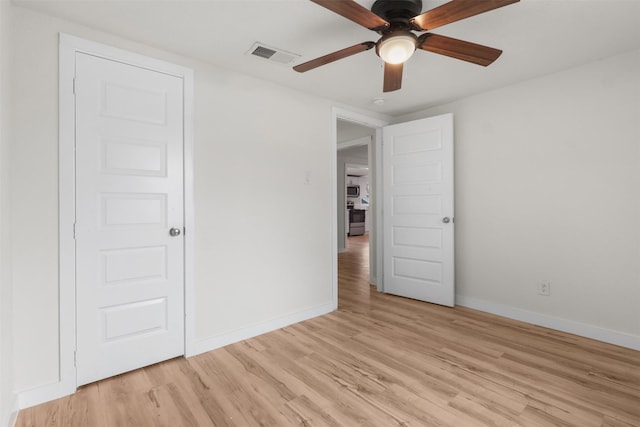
x: 446, y: 220
x: 174, y: 232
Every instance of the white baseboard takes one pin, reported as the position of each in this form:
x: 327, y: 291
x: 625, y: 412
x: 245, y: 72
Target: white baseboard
x: 342, y: 250
x: 259, y: 329
x: 582, y: 329
x: 9, y: 419
x: 13, y: 419
x: 45, y: 393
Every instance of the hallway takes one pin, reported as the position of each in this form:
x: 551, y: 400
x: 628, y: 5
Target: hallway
x: 353, y: 274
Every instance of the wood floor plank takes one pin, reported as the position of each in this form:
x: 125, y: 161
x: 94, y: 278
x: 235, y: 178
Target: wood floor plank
x: 379, y: 360
x: 311, y: 413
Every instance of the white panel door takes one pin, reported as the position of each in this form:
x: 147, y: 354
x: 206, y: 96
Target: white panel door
x: 418, y: 209
x: 129, y: 194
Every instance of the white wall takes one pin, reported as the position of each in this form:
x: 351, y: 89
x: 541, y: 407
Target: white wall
x: 548, y: 187
x: 260, y: 256
x: 7, y: 398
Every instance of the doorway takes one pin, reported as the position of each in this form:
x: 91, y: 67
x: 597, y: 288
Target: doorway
x: 356, y: 201
x: 370, y: 128
x: 416, y: 163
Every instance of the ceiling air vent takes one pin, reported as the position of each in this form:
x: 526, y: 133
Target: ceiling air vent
x: 272, y: 54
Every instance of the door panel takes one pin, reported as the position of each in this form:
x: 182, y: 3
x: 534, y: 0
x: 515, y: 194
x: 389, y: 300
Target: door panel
x: 418, y: 195
x: 129, y: 193
x: 134, y: 158
x: 135, y: 319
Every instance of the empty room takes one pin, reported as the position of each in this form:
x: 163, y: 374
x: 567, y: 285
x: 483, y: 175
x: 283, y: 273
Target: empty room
x: 320, y: 213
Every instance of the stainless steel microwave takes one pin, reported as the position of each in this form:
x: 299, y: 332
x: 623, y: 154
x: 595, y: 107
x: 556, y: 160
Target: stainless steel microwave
x: 353, y: 190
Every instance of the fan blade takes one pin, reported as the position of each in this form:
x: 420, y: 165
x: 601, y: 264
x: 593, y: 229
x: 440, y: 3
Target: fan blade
x: 327, y: 59
x: 353, y: 11
x: 459, y: 49
x: 392, y: 77
x: 456, y: 10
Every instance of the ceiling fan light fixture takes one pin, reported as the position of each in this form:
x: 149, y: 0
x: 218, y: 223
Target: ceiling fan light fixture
x: 396, y: 47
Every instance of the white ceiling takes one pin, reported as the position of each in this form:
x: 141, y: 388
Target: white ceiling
x: 538, y: 37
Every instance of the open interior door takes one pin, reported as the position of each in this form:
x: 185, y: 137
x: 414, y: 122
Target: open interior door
x: 418, y: 259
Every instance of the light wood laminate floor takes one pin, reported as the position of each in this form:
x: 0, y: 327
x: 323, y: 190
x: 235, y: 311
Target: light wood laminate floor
x: 379, y: 360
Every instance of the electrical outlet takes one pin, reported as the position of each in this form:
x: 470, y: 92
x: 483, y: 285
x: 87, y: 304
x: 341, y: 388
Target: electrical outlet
x: 544, y: 288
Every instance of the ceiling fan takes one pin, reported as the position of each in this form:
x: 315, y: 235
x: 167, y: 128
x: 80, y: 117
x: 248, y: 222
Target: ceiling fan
x: 396, y: 21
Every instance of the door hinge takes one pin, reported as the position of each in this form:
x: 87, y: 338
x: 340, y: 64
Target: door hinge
x: 75, y: 358
x: 74, y: 230
x: 74, y: 85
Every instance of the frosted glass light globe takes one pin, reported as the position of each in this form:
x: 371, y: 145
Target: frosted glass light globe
x: 397, y: 49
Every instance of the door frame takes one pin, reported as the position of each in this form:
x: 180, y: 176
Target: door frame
x: 377, y: 124
x: 68, y: 47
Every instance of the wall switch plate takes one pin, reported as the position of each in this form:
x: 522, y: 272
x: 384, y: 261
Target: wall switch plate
x: 544, y: 288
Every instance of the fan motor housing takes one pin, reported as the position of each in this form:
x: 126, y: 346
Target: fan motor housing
x: 398, y: 13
